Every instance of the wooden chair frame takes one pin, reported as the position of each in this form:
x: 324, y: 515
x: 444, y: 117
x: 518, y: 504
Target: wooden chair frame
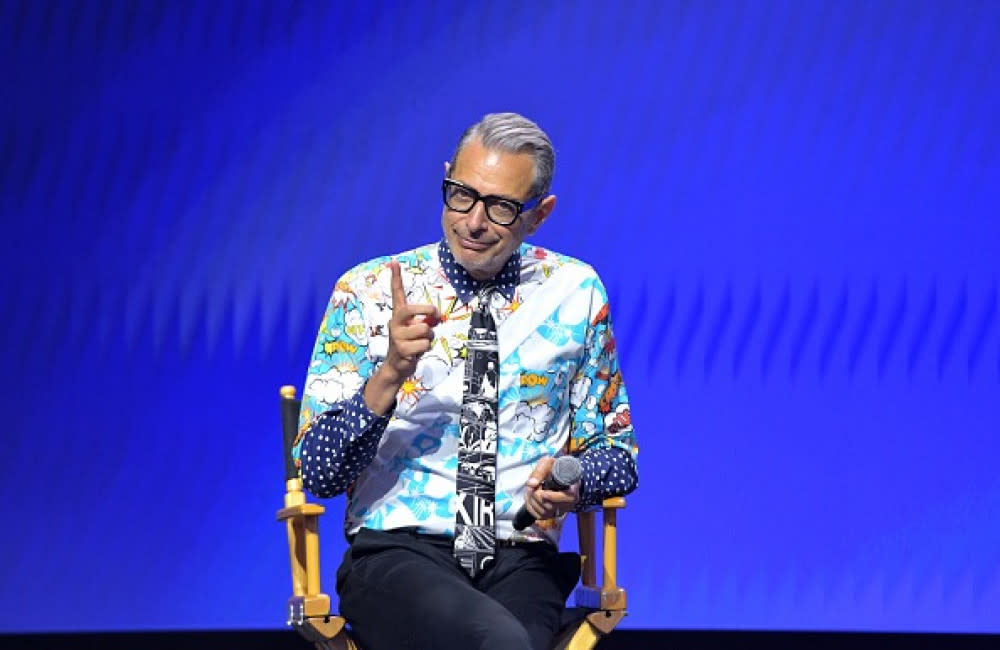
x: 309, y: 610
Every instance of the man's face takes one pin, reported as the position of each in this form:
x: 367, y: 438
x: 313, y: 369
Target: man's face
x: 480, y: 245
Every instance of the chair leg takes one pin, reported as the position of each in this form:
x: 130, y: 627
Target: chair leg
x: 341, y: 642
x: 584, y: 637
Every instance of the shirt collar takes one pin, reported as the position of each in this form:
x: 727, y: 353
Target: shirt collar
x: 467, y: 286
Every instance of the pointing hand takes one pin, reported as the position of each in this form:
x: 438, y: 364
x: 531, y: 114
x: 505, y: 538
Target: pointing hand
x: 410, y: 329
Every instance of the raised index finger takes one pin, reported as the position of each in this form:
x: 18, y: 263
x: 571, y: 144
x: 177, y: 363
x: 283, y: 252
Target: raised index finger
x: 396, y: 286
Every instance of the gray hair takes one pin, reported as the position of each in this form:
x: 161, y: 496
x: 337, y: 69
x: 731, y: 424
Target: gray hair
x: 515, y: 133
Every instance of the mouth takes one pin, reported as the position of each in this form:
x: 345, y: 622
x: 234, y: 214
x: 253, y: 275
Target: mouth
x: 473, y: 244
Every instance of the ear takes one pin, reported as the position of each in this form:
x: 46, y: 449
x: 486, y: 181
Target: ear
x: 541, y: 213
x: 447, y: 167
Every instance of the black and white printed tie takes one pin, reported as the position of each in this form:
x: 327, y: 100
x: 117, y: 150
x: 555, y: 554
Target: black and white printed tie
x: 475, y: 478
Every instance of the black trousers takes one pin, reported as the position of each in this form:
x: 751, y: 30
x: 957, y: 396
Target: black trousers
x: 401, y: 589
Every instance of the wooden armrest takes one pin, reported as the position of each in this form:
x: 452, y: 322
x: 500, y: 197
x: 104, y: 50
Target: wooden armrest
x: 302, y: 522
x: 301, y: 510
x: 608, y: 595
x: 308, y: 608
x: 611, y: 502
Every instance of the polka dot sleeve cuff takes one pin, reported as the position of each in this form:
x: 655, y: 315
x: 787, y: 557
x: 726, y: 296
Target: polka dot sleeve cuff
x: 607, y: 472
x: 339, y: 445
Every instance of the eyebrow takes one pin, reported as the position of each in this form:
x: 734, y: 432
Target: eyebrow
x: 481, y: 195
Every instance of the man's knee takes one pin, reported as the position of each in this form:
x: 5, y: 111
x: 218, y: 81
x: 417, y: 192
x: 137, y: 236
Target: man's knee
x: 503, y: 633
x: 438, y: 618
x: 486, y: 626
x: 482, y: 625
x: 512, y: 639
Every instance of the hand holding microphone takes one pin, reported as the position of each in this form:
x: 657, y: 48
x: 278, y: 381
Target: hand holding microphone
x: 553, y: 488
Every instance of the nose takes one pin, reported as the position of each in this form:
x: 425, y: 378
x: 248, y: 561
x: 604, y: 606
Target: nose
x: 476, y: 217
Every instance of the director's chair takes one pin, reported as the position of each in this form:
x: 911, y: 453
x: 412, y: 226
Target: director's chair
x: 599, y: 607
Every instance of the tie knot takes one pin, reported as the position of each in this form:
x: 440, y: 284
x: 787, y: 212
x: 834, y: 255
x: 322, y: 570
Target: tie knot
x: 483, y: 297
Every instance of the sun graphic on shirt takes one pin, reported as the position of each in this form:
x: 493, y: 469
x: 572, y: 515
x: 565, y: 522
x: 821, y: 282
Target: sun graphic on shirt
x: 411, y: 390
x: 512, y: 307
x: 449, y: 310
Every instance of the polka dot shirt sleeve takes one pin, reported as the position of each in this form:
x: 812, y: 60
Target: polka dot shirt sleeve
x: 607, y: 472
x: 339, y: 444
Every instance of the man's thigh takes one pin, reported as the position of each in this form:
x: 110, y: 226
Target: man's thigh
x: 399, y: 591
x: 533, y: 584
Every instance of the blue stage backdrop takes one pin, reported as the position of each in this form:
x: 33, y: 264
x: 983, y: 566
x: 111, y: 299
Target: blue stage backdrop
x: 794, y: 205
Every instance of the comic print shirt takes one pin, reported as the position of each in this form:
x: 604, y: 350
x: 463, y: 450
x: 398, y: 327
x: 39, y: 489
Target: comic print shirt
x: 560, y: 391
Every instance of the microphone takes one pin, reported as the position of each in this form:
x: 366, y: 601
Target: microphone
x: 565, y: 472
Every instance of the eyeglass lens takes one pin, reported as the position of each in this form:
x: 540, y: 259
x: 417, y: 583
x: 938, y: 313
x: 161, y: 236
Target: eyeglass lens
x: 462, y: 199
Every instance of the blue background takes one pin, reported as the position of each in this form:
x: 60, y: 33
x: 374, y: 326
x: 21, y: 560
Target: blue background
x: 794, y: 206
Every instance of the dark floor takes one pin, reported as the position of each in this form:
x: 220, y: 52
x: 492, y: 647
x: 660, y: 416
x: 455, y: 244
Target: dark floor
x: 680, y: 640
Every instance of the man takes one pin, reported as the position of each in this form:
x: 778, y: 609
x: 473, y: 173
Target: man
x: 443, y: 384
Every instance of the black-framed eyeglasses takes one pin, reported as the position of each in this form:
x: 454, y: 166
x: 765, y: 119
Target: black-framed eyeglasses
x: 500, y: 210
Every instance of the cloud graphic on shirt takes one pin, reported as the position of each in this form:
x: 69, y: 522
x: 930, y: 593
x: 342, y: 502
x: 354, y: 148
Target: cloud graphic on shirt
x: 433, y: 370
x: 535, y: 419
x: 589, y: 429
x: 334, y: 386
x: 354, y: 326
x: 580, y: 391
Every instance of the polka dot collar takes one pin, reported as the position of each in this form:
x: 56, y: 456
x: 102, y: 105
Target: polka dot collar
x: 467, y: 286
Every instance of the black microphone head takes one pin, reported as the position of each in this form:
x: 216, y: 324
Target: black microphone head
x: 566, y: 471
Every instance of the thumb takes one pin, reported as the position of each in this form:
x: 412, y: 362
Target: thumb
x: 541, y: 472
